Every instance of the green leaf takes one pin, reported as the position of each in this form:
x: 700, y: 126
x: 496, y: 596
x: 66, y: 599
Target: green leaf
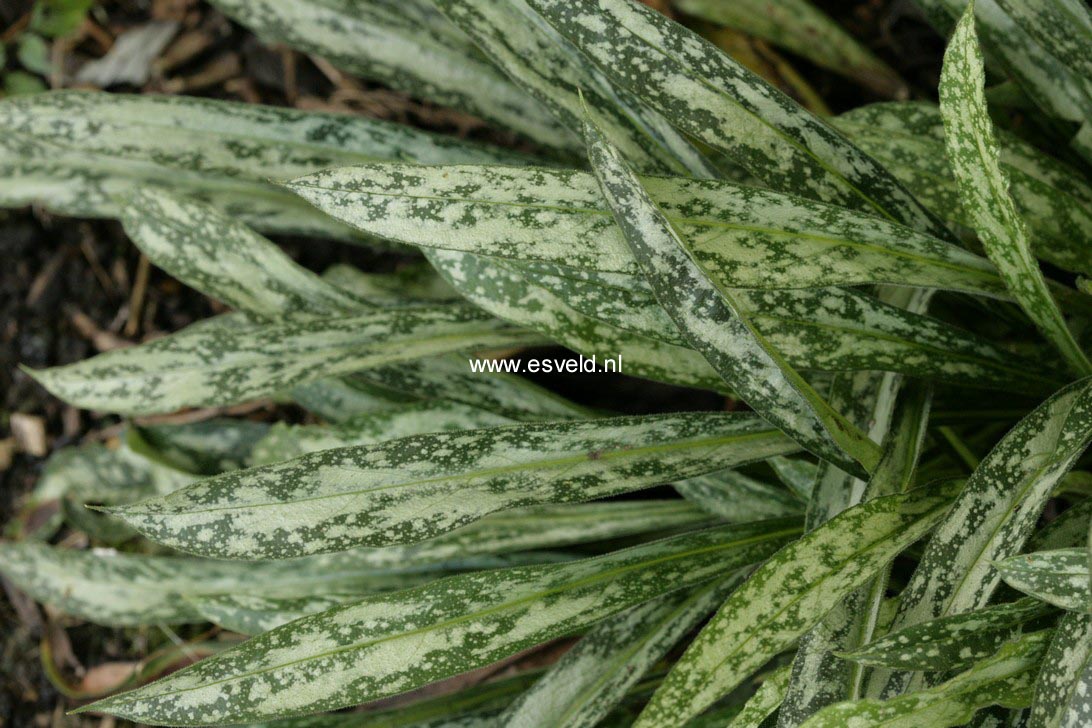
x: 950, y: 643
x: 983, y: 188
x: 84, y: 154
x: 789, y: 594
x: 1050, y: 196
x: 285, y: 442
x: 820, y: 677
x: 548, y: 68
x: 1064, y: 26
x: 540, y: 527
x: 996, y: 511
x: 1067, y: 530
x: 252, y: 614
x: 429, y: 60
x: 1063, y: 692
x: 231, y: 359
x: 1047, y: 80
x: 388, y: 644
x: 765, y: 701
x: 115, y: 589
x: 33, y: 53
x: 226, y: 260
x: 711, y: 97
x: 797, y: 474
x: 713, y: 322
x: 207, y: 447
x: 583, y: 686
x: 1056, y: 577
x: 831, y: 329
x: 473, y: 707
x: 419, y: 487
x: 738, y: 498
x: 446, y: 378
x: 1005, y: 679
x: 800, y: 27
x: 744, y: 237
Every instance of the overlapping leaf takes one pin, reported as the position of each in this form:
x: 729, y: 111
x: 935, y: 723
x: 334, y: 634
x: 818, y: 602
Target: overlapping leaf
x: 128, y: 589
x: 739, y: 498
x: 996, y: 511
x: 789, y: 594
x: 226, y: 260
x: 829, y: 330
x: 1056, y: 577
x: 549, y: 69
x: 430, y: 60
x: 1005, y: 679
x: 232, y: 359
x: 745, y: 237
x: 983, y: 189
x: 388, y: 644
x: 711, y: 97
x: 285, y: 442
x: 805, y: 30
x: 713, y: 322
x: 206, y: 446
x: 909, y: 139
x: 590, y: 679
x: 82, y: 154
x: 1063, y: 691
x: 950, y: 643
x: 419, y: 487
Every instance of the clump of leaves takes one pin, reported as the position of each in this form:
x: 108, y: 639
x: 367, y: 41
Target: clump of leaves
x: 863, y: 545
x: 25, y: 47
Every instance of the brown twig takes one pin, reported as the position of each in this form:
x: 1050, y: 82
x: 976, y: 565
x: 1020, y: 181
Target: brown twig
x: 136, y: 300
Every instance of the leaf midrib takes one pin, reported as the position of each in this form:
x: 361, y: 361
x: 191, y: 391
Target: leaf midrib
x: 466, y: 617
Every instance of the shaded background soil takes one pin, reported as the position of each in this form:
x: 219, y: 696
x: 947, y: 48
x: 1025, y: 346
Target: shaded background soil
x: 70, y: 288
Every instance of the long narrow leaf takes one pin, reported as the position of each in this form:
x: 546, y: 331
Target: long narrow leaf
x: 390, y: 46
x: 996, y: 511
x: 590, y: 679
x: 805, y: 30
x: 1063, y: 692
x: 714, y: 323
x: 1005, y: 679
x: 909, y: 139
x: 708, y: 95
x: 950, y: 643
x: 232, y: 359
x: 744, y: 236
x: 549, y: 69
x: 983, y: 188
x: 1056, y: 577
x: 419, y: 487
x: 79, y: 153
x: 789, y: 594
x: 388, y: 644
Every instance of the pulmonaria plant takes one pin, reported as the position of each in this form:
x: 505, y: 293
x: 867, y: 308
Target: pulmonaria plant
x: 861, y: 545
